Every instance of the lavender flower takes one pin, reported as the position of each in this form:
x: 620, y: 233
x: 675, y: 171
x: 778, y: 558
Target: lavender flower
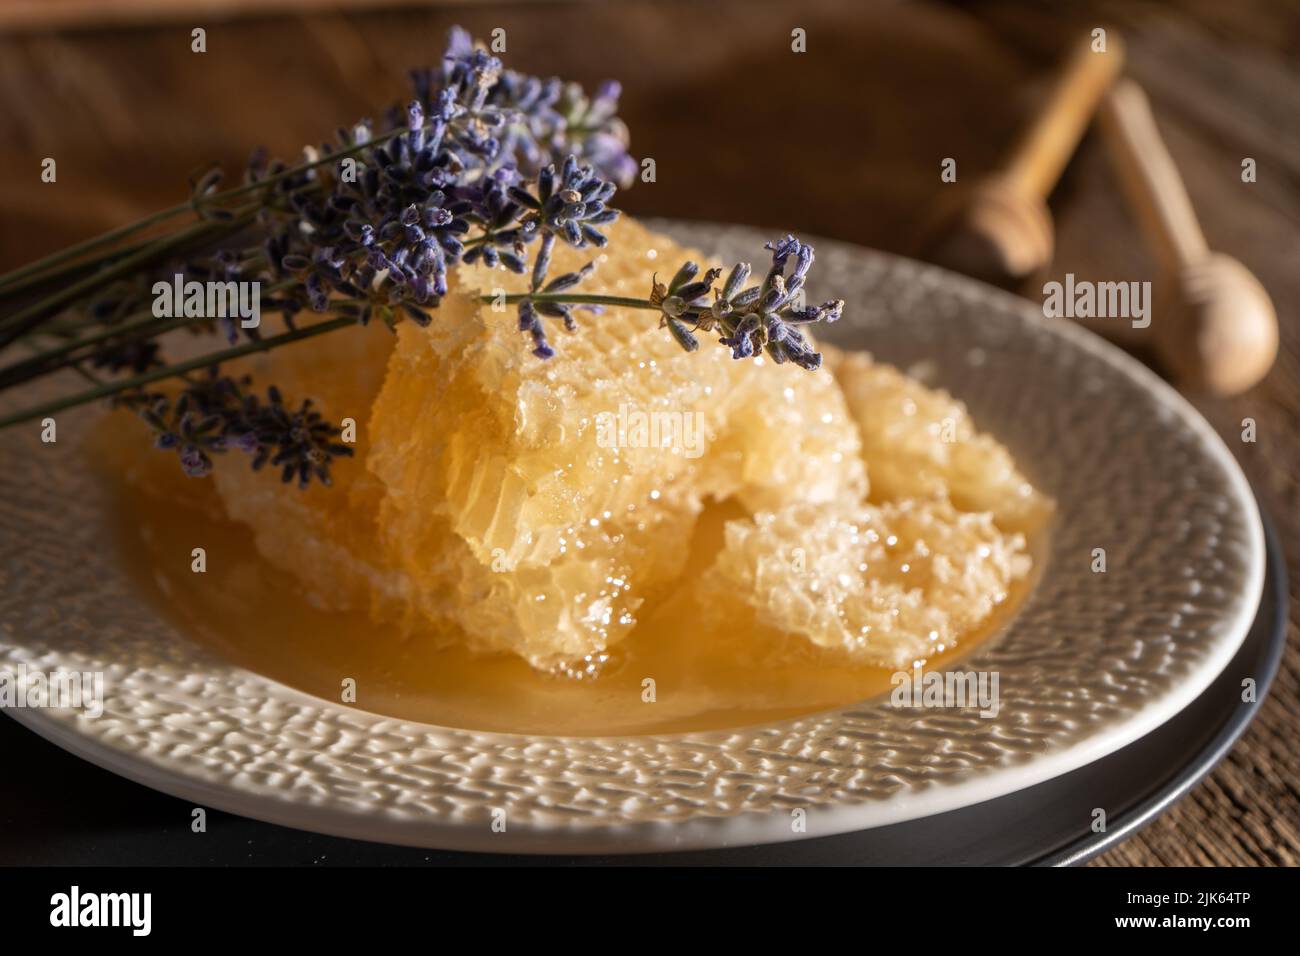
x: 301, y: 443
x: 483, y: 166
x: 377, y: 237
x: 535, y: 120
x: 224, y: 265
x: 489, y: 207
x: 753, y: 320
x: 571, y: 209
x: 215, y: 413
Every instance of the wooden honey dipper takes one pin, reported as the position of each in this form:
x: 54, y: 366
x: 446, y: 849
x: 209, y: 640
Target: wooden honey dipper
x: 1001, y: 229
x: 1214, y: 325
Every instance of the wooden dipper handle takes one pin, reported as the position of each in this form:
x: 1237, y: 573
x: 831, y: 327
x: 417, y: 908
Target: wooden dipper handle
x: 1000, y: 229
x: 1150, y: 179
x: 1036, y: 161
x: 1216, y: 327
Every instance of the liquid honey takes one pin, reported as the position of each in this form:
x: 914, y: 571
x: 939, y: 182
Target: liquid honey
x: 259, y: 618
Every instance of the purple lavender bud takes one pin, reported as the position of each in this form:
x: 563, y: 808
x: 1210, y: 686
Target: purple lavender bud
x: 782, y: 249
x: 450, y: 245
x: 435, y: 218
x: 445, y: 109
x: 691, y: 292
x: 777, y: 331
x: 524, y: 198
x: 735, y: 280
x: 687, y: 272
x: 593, y: 237
x: 543, y: 260
x: 811, y: 361
x: 459, y: 44
x: 528, y: 320
x: 775, y: 294
x: 194, y: 462
x: 742, y: 347
x: 804, y: 263
x: 317, y: 294
x: 608, y: 91
x: 683, y: 335
x: 566, y: 281
x: 421, y: 317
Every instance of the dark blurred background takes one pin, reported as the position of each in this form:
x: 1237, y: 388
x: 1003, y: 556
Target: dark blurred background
x: 843, y: 141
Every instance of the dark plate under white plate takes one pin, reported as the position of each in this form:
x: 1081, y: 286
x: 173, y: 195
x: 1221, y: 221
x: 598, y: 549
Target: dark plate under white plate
x: 47, y: 821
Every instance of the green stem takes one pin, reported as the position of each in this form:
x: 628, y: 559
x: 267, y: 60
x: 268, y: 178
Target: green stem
x: 172, y: 371
x: 8, y: 289
x: 96, y: 242
x: 76, y: 367
x: 565, y: 298
x: 26, y: 319
x: 148, y: 326
x: 259, y: 345
x: 71, y: 252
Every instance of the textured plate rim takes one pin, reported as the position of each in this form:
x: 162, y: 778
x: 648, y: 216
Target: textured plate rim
x: 1137, y: 817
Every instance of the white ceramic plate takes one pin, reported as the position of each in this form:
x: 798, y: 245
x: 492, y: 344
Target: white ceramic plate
x: 1089, y: 663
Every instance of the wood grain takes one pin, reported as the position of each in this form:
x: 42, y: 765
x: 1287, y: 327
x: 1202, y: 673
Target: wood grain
x: 845, y: 140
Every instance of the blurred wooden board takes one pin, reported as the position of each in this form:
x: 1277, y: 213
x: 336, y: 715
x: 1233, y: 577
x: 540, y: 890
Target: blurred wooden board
x: 844, y: 141
x: 81, y: 14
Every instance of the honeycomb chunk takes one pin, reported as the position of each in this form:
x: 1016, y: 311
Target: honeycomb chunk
x: 882, y: 584
x: 542, y: 508
x: 524, y: 501
x: 915, y: 571
x: 920, y: 442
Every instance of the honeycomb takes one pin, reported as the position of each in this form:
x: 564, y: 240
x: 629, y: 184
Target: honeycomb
x: 544, y: 508
x: 522, y: 503
x: 921, y: 443
x: 885, y: 585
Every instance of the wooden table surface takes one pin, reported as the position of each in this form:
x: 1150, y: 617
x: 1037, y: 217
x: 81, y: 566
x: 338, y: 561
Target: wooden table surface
x: 843, y: 141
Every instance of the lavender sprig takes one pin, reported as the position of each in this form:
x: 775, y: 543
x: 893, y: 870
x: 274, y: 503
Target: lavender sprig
x: 483, y: 165
x: 753, y: 320
x: 570, y: 206
x: 215, y: 413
